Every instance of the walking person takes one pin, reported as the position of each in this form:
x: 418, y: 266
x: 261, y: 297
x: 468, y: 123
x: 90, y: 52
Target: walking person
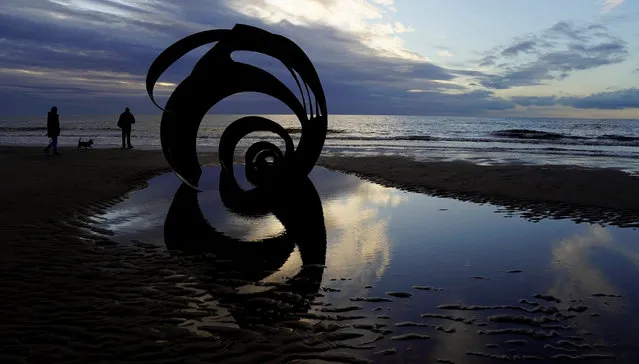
x: 53, y: 130
x: 125, y: 122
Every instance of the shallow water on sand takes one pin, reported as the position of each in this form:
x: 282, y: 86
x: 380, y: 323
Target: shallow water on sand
x: 472, y: 283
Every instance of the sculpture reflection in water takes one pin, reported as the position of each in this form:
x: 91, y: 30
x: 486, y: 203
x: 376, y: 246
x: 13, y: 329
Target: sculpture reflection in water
x: 280, y: 179
x: 187, y: 230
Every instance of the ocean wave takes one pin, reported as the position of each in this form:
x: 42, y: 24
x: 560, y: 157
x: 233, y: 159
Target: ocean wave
x: 545, y: 135
x: 328, y: 131
x: 388, y: 138
x: 506, y: 136
x: 576, y: 141
x: 570, y: 140
x: 22, y: 128
x: 504, y: 151
x: 621, y: 138
x: 530, y: 134
x: 64, y: 127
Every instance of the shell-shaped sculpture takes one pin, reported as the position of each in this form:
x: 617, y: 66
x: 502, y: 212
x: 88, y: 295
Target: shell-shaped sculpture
x: 217, y: 76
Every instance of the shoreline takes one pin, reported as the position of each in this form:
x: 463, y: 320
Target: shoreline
x: 534, y: 191
x: 517, y: 187
x: 429, y: 153
x: 80, y: 293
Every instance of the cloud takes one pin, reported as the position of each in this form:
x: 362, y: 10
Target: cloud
x: 580, y: 276
x: 361, y: 20
x: 90, y: 56
x: 611, y: 100
x: 608, y: 5
x: 362, y: 233
x: 553, y: 54
x: 614, y: 100
x: 535, y: 100
x: 521, y: 47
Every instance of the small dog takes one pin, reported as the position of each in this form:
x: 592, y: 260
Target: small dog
x: 85, y: 145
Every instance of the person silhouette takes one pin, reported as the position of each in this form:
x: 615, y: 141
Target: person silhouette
x: 53, y: 130
x: 125, y: 122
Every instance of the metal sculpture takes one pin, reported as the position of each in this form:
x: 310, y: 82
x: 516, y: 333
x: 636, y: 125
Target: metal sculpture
x: 217, y: 76
x: 281, y: 178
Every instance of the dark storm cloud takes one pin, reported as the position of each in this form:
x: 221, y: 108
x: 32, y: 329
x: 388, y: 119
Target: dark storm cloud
x: 551, y: 55
x: 84, y: 40
x: 614, y: 100
x: 94, y: 58
x: 611, y: 100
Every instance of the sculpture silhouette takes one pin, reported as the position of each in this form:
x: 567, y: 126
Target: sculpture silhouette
x: 217, y: 76
x: 280, y: 178
x: 187, y: 230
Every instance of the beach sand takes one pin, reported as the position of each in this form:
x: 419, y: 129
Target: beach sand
x: 67, y: 294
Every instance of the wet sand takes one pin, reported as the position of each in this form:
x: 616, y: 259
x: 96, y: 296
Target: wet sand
x: 69, y: 295
x: 604, y: 196
x: 63, y: 295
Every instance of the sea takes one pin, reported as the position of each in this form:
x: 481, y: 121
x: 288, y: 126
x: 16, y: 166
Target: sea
x: 597, y: 143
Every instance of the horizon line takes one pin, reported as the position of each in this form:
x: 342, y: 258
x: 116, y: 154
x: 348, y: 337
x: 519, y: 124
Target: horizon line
x: 354, y: 114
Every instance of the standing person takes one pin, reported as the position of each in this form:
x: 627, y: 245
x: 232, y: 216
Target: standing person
x: 53, y: 130
x: 126, y: 120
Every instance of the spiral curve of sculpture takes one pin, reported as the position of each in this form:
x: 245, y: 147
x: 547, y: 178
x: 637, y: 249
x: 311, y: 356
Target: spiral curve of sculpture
x: 217, y: 76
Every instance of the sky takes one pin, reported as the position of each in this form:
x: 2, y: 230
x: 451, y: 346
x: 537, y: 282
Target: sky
x: 541, y: 58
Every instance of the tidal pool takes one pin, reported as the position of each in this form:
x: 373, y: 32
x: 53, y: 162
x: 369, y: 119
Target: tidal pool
x: 403, y: 276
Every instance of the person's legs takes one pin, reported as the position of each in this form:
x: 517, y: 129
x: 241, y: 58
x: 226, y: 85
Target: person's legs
x: 128, y: 138
x: 54, y: 143
x: 123, y: 137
